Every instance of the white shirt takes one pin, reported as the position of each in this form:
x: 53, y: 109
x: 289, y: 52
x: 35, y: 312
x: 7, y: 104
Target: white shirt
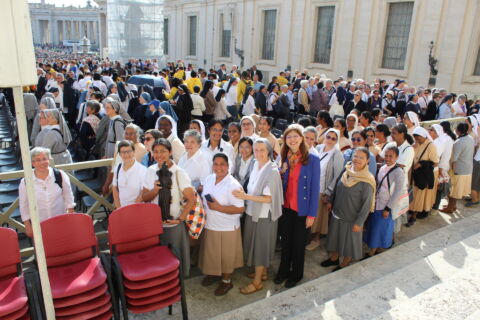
x: 177, y: 188
x: 198, y: 105
x: 129, y: 183
x: 231, y: 96
x: 254, y: 175
x: 405, y: 156
x: 197, y: 167
x: 51, y: 199
x: 244, y: 164
x: 178, y: 149
x: 84, y: 83
x: 223, y: 147
x: 222, y: 192
x: 108, y: 80
x: 249, y: 106
x: 324, y: 158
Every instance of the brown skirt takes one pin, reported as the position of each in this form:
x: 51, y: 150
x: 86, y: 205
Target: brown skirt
x: 220, y: 252
x: 423, y: 200
x: 461, y: 186
x: 320, y: 225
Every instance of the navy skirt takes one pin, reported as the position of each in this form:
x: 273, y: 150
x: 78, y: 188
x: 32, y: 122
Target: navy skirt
x: 379, y: 233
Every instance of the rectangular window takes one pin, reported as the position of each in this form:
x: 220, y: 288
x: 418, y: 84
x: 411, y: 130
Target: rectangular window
x: 165, y: 36
x: 269, y: 27
x: 396, y: 36
x: 226, y: 35
x: 323, y: 39
x: 192, y: 34
x: 476, y: 72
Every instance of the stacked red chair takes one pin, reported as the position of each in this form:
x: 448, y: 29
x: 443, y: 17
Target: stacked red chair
x: 148, y: 275
x: 18, y: 296
x: 80, y: 281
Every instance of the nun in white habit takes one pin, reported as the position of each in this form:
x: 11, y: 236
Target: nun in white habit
x: 168, y: 127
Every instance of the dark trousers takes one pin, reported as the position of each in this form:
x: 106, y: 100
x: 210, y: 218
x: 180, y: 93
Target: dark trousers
x: 293, y: 238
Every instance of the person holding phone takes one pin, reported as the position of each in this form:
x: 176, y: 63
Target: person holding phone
x: 221, y: 249
x: 183, y: 199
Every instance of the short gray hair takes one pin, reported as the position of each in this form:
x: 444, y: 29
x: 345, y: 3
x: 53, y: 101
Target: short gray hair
x: 194, y: 134
x: 267, y: 144
x: 40, y: 150
x: 312, y: 130
x: 137, y: 129
x: 463, y: 97
x: 303, y: 83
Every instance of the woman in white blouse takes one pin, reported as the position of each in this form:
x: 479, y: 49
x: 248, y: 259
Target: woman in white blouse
x: 264, y: 198
x: 182, y: 199
x: 128, y: 176
x: 53, y: 192
x: 221, y: 245
x: 194, y: 161
x: 248, y: 102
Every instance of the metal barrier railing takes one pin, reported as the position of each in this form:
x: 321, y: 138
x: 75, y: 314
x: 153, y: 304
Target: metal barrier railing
x: 5, y: 216
x: 453, y: 122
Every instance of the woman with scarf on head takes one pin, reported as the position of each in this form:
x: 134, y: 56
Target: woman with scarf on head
x: 410, y: 119
x: 57, y: 137
x: 156, y: 111
x: 264, y: 199
x: 344, y: 141
x: 209, y: 99
x: 390, y: 122
x: 331, y: 165
x: 424, y: 161
x: 462, y: 166
x: 444, y: 144
x: 168, y: 128
x: 248, y: 126
x: 413, y: 105
x: 140, y: 114
x: 248, y: 102
x: 352, y: 200
x: 261, y: 100
x: 183, y: 107
x: 198, y: 126
x: 336, y: 103
x: 88, y: 127
x: 46, y: 102
x: 352, y: 124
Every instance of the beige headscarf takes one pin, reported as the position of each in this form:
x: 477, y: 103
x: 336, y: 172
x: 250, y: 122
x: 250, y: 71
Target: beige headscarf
x: 351, y: 178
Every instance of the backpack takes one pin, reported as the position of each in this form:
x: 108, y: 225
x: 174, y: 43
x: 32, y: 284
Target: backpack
x: 58, y: 177
x: 124, y: 122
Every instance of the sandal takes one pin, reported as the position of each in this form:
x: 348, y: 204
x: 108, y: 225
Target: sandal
x: 251, y: 288
x: 252, y: 276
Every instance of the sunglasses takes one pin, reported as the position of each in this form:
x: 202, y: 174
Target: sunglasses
x: 356, y: 139
x: 331, y: 138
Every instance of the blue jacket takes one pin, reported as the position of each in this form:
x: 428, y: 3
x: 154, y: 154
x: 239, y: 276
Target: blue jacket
x: 308, y: 191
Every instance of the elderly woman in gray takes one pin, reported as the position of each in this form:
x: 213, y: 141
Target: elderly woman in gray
x: 116, y: 126
x: 264, y: 198
x: 55, y: 136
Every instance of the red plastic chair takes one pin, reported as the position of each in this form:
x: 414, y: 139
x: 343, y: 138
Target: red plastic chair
x: 81, y: 284
x: 148, y: 275
x: 18, y: 294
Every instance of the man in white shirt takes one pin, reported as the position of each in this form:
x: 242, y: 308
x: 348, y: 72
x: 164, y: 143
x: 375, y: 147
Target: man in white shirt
x: 53, y: 192
x: 97, y: 82
x: 84, y: 83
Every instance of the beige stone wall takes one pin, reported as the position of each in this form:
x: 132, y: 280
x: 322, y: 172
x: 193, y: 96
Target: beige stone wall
x: 358, y: 40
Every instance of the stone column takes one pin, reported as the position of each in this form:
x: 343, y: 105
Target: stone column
x: 64, y: 26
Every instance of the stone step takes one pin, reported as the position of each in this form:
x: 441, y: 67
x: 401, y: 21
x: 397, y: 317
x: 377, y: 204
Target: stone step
x: 404, y: 285
x: 304, y: 297
x: 456, y: 298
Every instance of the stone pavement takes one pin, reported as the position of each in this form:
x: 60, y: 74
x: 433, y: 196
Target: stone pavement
x: 320, y: 292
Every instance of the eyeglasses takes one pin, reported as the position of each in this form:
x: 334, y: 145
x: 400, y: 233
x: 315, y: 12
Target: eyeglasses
x: 356, y: 139
x: 126, y: 152
x: 247, y: 124
x: 331, y: 138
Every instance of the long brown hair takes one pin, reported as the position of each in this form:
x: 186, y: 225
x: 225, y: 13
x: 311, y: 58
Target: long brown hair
x: 303, y: 146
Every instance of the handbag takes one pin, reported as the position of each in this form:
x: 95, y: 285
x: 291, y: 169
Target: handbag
x: 401, y: 206
x: 195, y: 220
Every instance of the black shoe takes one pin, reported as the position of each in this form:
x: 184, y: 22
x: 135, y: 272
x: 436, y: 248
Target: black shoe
x: 279, y: 279
x: 422, y: 215
x: 337, y: 268
x: 290, y: 284
x: 411, y: 222
x: 329, y: 263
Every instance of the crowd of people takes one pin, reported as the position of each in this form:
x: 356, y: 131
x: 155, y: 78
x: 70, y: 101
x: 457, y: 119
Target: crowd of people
x: 284, y: 162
